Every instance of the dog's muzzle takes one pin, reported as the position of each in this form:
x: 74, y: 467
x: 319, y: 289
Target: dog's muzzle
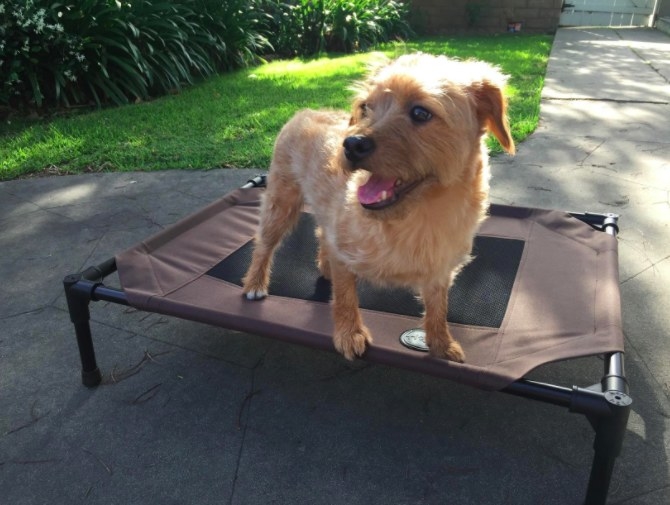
x: 358, y: 147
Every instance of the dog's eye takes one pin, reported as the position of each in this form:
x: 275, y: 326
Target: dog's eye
x: 364, y: 109
x: 420, y: 114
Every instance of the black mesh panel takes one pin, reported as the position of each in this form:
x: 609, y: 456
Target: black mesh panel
x: 479, y: 297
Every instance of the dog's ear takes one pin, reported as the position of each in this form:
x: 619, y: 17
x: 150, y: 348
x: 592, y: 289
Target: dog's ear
x: 492, y: 112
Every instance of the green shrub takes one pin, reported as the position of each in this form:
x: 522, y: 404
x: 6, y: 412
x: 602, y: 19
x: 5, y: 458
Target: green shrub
x: 239, y: 28
x: 65, y: 53
x: 308, y: 27
x: 296, y: 28
x: 33, y: 44
x: 361, y: 24
x: 135, y: 49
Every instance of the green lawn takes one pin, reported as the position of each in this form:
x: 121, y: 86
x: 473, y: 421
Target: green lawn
x: 232, y: 120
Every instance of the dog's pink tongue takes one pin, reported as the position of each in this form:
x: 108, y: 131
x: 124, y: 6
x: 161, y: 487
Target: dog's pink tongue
x: 375, y: 190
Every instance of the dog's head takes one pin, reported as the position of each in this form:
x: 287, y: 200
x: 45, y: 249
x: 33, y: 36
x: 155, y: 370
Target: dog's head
x: 420, y: 120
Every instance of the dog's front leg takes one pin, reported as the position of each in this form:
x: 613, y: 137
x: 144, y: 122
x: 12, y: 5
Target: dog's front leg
x: 439, y: 340
x: 351, y: 336
x: 279, y: 213
x: 322, y: 259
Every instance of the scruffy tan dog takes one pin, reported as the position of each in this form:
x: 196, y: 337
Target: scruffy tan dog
x: 398, y: 188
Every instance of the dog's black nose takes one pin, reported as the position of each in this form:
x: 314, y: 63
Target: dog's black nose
x: 358, y: 147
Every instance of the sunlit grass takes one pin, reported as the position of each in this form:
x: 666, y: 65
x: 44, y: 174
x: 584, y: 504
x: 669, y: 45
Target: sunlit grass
x: 232, y: 120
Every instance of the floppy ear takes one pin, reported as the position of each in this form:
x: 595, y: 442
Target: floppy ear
x: 492, y: 112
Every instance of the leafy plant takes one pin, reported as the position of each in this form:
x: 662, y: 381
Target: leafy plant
x: 308, y: 27
x: 361, y: 24
x: 297, y: 27
x: 119, y: 51
x: 34, y: 43
x: 239, y: 28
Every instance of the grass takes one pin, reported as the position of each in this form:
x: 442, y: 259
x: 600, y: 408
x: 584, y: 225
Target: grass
x: 232, y: 120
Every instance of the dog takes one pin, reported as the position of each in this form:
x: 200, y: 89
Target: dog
x: 398, y: 188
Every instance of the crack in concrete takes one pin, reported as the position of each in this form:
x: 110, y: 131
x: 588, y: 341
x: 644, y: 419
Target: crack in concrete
x: 590, y: 153
x: 642, y: 58
x: 246, y: 404
x: 653, y: 265
x: 28, y: 312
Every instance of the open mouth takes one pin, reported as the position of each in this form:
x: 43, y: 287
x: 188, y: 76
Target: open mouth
x: 381, y: 192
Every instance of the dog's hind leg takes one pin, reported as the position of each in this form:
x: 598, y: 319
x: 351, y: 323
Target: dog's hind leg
x: 351, y: 336
x: 439, y: 340
x: 280, y: 210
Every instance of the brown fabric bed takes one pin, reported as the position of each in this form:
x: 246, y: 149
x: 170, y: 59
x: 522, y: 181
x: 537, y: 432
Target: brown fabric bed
x: 543, y: 287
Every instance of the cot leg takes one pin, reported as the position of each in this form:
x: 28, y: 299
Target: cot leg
x: 607, y: 446
x: 610, y: 430
x: 77, y: 302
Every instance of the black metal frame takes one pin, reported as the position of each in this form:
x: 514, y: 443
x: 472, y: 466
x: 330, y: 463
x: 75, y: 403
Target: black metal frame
x: 606, y: 405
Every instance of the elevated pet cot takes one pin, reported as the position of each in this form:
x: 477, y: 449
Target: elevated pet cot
x: 543, y: 287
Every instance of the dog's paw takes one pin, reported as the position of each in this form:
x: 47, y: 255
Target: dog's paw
x: 452, y: 351
x: 255, y: 294
x: 352, y: 345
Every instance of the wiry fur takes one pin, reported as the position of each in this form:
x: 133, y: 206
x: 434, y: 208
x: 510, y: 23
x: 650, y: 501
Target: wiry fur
x: 423, y: 239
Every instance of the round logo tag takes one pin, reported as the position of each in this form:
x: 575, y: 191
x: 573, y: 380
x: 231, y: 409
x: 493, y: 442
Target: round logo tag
x: 414, y: 339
